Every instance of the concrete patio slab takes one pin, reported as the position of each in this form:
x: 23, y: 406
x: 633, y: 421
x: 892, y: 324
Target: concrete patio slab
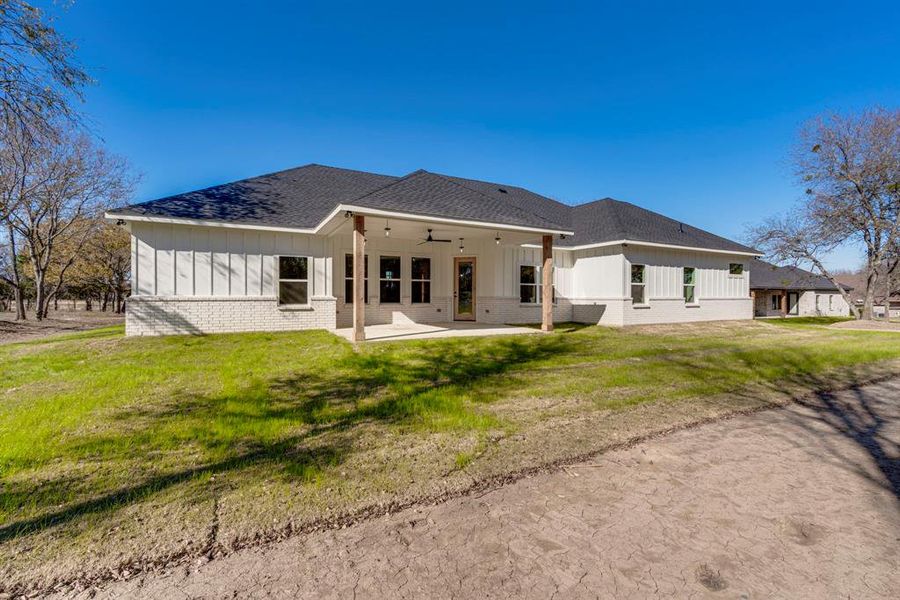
x: 423, y: 331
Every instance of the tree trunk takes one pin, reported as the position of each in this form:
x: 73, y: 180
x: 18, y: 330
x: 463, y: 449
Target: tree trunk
x: 39, y: 295
x: 867, y: 313
x: 87, y: 303
x: 21, y: 315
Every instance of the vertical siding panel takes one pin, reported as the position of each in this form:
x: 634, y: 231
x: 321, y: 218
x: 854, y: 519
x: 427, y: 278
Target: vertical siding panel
x: 268, y: 247
x: 203, y: 271
x: 220, y: 263
x: 237, y: 264
x: 165, y: 261
x: 184, y: 263
x: 254, y: 263
x: 146, y: 261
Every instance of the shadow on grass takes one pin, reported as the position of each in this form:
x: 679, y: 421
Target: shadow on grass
x: 857, y: 414
x: 295, y: 424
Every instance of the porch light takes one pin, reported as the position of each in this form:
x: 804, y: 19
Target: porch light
x: 387, y: 228
x: 497, y: 238
x: 461, y: 247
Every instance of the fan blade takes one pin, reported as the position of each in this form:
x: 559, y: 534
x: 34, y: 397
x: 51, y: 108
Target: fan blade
x: 445, y: 241
x: 422, y: 242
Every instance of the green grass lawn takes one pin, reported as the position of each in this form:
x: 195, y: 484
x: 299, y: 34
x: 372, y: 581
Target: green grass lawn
x: 120, y: 450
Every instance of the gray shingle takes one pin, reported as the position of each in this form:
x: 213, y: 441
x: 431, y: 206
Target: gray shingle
x: 610, y: 220
x: 766, y: 276
x: 303, y: 196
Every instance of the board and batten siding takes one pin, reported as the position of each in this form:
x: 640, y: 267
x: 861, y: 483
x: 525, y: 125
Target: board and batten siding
x: 182, y: 260
x: 665, y: 270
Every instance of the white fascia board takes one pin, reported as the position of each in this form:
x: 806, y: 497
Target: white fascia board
x: 375, y: 212
x: 111, y: 215
x: 650, y: 244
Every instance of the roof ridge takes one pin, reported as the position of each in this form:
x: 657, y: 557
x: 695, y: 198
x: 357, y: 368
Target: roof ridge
x: 392, y: 183
x: 519, y: 208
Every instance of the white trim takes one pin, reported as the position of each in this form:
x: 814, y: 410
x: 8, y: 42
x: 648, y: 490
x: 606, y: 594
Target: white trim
x: 484, y: 224
x: 110, y: 215
x: 650, y: 244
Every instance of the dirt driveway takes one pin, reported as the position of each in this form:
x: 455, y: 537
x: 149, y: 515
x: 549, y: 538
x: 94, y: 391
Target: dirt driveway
x: 792, y: 503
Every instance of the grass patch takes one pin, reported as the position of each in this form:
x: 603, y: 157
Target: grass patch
x: 129, y: 447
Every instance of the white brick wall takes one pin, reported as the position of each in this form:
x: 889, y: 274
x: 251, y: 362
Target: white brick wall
x: 676, y: 311
x: 510, y: 310
x: 164, y: 315
x: 437, y: 311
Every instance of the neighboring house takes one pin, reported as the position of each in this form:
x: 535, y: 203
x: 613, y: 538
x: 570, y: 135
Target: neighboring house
x: 278, y: 252
x: 791, y: 291
x: 878, y: 309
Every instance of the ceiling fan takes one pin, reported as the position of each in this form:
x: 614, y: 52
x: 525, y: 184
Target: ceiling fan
x: 430, y: 239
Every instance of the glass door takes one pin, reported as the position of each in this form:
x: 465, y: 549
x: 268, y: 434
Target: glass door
x: 464, y: 289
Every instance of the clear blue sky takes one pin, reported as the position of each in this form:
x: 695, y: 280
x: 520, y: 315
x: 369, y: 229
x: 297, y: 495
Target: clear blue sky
x: 688, y: 109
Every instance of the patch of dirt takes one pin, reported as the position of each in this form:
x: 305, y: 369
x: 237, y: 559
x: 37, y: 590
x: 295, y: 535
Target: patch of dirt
x: 733, y: 509
x: 867, y: 325
x: 58, y: 322
x: 246, y: 517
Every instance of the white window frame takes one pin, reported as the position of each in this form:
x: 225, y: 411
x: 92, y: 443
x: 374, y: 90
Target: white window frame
x: 413, y: 280
x: 692, y: 285
x: 399, y: 279
x: 307, y: 281
x: 643, y: 284
x: 830, y: 302
x: 538, y: 285
x: 349, y: 277
x: 776, y: 302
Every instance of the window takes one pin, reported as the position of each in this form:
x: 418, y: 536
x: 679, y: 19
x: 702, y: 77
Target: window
x: 421, y: 280
x: 776, y: 301
x: 735, y: 269
x: 389, y: 279
x: 638, y: 287
x: 293, y: 280
x: 831, y: 302
x: 531, y: 284
x: 818, y: 302
x: 348, y: 279
x: 528, y: 284
x: 689, y: 285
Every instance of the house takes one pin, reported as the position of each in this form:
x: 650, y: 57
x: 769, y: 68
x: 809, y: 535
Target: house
x: 323, y: 247
x: 792, y: 291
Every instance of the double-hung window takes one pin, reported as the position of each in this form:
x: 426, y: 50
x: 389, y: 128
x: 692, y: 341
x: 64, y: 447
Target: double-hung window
x: 528, y: 284
x: 389, y: 278
x: 348, y: 278
x: 638, y: 284
x: 531, y: 285
x: 690, y: 279
x: 420, y: 279
x: 776, y: 302
x: 293, y: 280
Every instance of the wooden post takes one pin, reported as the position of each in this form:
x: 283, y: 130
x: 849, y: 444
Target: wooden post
x: 547, y: 283
x: 359, y: 274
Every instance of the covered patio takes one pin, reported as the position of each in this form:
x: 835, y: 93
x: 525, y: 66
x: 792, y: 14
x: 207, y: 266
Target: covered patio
x: 426, y: 331
x: 409, y: 276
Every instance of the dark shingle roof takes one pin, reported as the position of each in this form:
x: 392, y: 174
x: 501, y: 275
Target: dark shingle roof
x: 610, y: 220
x: 302, y: 197
x: 766, y: 276
x: 299, y: 197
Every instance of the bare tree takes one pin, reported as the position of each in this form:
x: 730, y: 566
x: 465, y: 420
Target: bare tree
x: 38, y: 73
x: 66, y: 182
x: 850, y: 167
